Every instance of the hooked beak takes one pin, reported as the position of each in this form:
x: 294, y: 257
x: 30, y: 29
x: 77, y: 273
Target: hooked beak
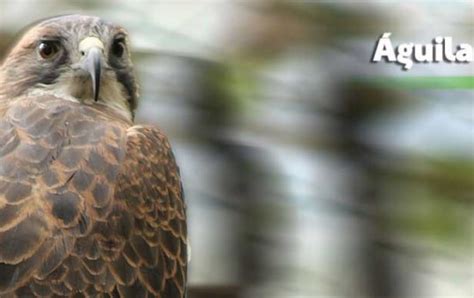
x: 92, y: 49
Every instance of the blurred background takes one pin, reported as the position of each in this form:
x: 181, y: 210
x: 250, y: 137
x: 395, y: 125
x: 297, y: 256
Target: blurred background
x: 308, y: 170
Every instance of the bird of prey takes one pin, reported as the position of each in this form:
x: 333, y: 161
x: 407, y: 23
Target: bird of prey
x: 91, y: 205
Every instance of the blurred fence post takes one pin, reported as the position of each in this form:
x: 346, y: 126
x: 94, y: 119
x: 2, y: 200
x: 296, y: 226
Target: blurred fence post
x: 358, y: 101
x: 243, y: 183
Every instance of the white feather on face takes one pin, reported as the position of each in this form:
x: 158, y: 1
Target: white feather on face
x: 75, y: 85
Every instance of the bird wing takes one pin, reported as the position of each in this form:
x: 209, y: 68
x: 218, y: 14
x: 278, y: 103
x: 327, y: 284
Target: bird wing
x: 87, y: 204
x: 149, y: 186
x: 58, y: 163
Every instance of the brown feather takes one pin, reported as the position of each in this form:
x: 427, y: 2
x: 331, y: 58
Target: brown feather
x: 88, y: 204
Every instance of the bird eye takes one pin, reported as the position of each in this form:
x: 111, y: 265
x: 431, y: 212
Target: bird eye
x: 118, y: 47
x: 48, y: 49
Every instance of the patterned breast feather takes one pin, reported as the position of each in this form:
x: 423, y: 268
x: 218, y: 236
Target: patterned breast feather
x: 89, y: 205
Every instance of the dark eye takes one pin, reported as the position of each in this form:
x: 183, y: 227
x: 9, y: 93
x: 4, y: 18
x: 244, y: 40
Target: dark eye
x: 118, y: 47
x: 48, y: 49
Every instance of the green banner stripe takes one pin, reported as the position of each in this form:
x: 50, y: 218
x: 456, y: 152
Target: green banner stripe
x: 435, y: 82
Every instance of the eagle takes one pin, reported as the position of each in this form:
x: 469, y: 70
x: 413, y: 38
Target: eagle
x: 91, y: 205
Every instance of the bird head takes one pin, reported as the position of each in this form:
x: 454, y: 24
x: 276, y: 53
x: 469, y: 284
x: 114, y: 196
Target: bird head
x: 75, y: 57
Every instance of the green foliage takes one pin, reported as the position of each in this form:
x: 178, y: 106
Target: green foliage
x: 435, y: 204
